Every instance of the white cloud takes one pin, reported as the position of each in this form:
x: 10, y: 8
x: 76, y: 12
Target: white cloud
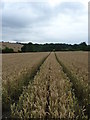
x: 47, y: 21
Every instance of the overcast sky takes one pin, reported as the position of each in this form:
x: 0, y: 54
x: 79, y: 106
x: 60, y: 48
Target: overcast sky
x: 49, y: 21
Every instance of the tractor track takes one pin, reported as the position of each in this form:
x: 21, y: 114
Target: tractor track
x: 7, y: 114
x: 72, y: 78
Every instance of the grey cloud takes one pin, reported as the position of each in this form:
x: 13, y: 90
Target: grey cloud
x: 33, y: 22
x: 72, y: 5
x: 19, y: 14
x: 70, y: 8
x: 23, y: 17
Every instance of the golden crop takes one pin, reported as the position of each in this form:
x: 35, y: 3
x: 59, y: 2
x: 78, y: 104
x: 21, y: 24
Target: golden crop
x: 50, y: 93
x: 14, y: 65
x: 48, y: 96
x: 16, y: 68
x: 77, y: 62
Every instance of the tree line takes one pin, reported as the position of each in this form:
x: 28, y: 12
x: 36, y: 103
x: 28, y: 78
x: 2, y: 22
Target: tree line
x: 30, y: 47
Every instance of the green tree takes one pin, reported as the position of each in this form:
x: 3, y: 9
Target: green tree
x: 7, y: 50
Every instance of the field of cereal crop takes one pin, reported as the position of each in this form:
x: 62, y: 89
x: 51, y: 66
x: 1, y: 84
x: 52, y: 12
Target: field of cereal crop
x: 45, y: 85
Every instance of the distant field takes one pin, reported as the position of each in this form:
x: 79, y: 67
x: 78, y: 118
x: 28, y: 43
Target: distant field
x: 16, y: 47
x: 46, y: 85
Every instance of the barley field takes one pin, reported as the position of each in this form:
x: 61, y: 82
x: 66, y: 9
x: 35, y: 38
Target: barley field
x: 46, y: 85
x: 76, y: 63
x: 17, y: 69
